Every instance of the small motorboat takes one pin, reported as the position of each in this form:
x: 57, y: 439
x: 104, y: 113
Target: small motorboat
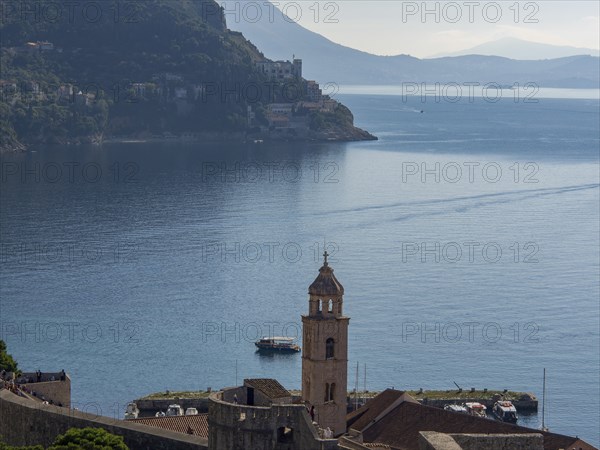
x: 191, y: 412
x: 476, y: 409
x: 278, y: 344
x: 505, y: 411
x: 132, y: 411
x: 174, y: 410
x: 456, y: 408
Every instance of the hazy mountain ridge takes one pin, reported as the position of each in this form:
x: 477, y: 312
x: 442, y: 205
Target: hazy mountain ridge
x: 514, y: 48
x: 327, y: 61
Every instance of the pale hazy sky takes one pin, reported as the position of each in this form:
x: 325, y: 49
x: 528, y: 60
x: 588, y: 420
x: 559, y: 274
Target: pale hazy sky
x: 393, y: 27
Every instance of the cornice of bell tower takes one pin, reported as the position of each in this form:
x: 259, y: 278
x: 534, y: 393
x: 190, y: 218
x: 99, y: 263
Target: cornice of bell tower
x: 326, y: 294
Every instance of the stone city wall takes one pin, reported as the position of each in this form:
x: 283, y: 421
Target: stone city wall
x: 279, y: 427
x: 27, y: 422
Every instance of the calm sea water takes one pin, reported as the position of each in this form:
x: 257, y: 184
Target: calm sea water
x: 467, y: 240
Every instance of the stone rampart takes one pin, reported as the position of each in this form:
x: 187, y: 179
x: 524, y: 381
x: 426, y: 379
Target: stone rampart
x: 27, y: 422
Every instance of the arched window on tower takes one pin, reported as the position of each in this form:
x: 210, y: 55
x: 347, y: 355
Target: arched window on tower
x: 320, y: 306
x: 329, y: 348
x: 330, y: 306
x: 326, y: 399
x: 331, y: 391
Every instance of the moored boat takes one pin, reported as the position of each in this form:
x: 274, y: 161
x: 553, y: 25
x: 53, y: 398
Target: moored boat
x: 174, y: 410
x: 132, y: 411
x: 456, y: 408
x: 476, y: 409
x: 505, y: 411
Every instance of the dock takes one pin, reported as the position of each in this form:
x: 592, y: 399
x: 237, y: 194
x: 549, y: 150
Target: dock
x: 525, y: 402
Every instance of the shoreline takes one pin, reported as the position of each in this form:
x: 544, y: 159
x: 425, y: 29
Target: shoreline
x: 356, y: 135
x: 332, y: 136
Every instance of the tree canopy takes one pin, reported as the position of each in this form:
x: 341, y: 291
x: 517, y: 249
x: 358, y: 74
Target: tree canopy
x: 79, y: 439
x: 7, y: 362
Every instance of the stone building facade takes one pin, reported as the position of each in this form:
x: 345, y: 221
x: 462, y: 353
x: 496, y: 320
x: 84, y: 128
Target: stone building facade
x: 281, y: 70
x: 235, y: 425
x: 54, y: 387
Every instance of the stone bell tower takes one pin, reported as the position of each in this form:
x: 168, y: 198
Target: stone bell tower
x: 325, y: 351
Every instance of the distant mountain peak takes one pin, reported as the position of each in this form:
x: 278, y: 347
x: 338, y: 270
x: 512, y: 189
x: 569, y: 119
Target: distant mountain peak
x: 515, y: 48
x: 329, y: 62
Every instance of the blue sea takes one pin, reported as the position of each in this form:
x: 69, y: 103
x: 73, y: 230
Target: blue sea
x: 467, y: 240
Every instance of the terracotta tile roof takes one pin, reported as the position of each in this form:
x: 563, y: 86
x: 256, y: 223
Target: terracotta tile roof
x: 268, y: 386
x: 198, y: 425
x: 360, y: 418
x: 400, y: 426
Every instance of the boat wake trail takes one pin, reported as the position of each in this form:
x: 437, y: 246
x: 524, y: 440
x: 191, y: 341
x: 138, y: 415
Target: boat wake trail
x: 461, y: 204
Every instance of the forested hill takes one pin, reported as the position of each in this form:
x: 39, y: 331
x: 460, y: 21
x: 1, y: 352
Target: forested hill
x: 119, y: 67
x: 116, y: 40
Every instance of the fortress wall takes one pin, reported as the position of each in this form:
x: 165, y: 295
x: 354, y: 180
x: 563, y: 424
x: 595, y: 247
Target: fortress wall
x: 27, y: 422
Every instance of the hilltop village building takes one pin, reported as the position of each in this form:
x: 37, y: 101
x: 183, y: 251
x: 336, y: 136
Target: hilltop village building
x: 281, y: 70
x: 261, y: 414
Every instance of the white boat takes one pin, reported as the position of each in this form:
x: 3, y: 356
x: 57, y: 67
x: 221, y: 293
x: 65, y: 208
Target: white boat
x: 159, y: 414
x: 456, y: 408
x: 132, y: 411
x: 191, y: 412
x: 174, y: 410
x: 476, y: 409
x: 505, y: 411
x: 278, y: 344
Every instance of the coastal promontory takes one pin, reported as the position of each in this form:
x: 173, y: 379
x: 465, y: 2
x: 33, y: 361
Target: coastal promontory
x: 158, y: 69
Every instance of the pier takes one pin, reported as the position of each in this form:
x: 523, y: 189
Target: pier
x: 525, y: 402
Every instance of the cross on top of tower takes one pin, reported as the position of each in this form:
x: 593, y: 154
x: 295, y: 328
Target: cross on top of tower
x: 326, y: 283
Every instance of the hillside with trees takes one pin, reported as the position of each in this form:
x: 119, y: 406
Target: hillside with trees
x: 72, y: 73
